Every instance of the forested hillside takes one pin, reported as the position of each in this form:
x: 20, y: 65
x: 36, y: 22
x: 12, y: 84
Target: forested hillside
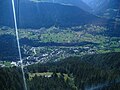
x: 45, y: 14
x: 74, y: 73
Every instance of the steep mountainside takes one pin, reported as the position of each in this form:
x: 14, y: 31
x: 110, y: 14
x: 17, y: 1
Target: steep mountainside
x: 78, y: 3
x: 104, y: 7
x: 36, y: 15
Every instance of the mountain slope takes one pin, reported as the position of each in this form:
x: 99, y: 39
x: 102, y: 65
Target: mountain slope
x: 101, y: 5
x: 36, y: 15
x: 68, y: 74
x: 78, y: 3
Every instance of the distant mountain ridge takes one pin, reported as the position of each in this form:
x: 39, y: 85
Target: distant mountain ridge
x: 78, y: 3
x: 101, y: 5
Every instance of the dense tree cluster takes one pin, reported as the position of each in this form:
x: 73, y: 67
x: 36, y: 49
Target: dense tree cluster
x: 11, y: 79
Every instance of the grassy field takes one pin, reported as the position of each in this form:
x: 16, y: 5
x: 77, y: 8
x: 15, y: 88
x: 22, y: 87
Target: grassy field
x: 6, y: 63
x: 46, y: 74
